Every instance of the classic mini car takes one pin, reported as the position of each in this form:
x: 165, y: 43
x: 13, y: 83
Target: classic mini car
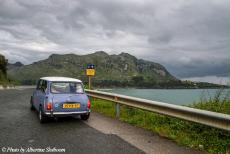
x: 60, y: 96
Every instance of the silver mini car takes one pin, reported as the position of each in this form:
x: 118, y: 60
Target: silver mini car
x: 60, y: 96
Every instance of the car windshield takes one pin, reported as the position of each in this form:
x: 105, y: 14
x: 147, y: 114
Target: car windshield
x: 66, y: 87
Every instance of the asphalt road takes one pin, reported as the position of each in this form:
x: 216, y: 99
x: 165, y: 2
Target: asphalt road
x: 21, y: 132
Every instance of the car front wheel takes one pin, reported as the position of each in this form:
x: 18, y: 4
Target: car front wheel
x: 85, y: 116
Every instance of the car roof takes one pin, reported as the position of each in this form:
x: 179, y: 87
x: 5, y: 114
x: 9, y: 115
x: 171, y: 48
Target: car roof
x: 65, y: 79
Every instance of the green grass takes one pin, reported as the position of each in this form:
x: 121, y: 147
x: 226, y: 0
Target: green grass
x: 207, y: 139
x: 7, y: 83
x: 103, y: 106
x: 4, y: 83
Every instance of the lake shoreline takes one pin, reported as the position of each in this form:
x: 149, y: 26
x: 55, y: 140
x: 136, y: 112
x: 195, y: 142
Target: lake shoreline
x: 97, y: 88
x: 161, y: 87
x: 171, y: 96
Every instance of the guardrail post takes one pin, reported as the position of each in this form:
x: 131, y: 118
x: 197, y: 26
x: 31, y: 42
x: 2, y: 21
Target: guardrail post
x: 117, y: 110
x: 117, y: 107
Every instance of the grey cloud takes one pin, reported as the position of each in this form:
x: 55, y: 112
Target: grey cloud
x: 24, y: 56
x: 191, y: 38
x: 201, y: 69
x: 161, y: 39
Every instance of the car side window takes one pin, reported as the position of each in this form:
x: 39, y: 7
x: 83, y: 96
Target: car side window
x: 44, y: 85
x: 39, y: 84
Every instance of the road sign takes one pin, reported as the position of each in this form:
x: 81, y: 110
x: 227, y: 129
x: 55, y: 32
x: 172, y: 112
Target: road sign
x: 90, y: 71
x: 90, y: 66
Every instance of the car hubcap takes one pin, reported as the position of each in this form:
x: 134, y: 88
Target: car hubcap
x: 40, y: 115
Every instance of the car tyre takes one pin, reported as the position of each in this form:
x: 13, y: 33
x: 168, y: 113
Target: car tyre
x: 41, y: 116
x: 85, y: 116
x: 31, y: 104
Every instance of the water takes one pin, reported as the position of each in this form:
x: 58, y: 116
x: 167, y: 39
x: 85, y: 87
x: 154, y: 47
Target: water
x: 172, y: 96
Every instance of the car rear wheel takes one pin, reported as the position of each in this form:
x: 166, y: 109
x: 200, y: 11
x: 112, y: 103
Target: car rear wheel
x: 31, y: 104
x: 41, y: 116
x: 85, y: 116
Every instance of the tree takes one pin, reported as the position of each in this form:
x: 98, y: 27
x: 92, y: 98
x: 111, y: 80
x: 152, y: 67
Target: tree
x: 137, y: 80
x: 3, y: 66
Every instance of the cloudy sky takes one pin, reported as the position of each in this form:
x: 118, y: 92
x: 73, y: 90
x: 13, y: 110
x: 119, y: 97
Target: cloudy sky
x: 191, y: 38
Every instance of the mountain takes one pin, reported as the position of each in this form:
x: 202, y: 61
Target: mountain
x: 122, y: 68
x: 15, y: 65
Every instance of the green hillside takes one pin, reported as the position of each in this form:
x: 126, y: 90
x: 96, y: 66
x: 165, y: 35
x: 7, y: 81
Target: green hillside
x: 122, y: 68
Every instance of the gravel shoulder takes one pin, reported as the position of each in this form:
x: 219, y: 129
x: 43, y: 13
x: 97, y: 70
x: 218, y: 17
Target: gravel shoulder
x: 145, y: 140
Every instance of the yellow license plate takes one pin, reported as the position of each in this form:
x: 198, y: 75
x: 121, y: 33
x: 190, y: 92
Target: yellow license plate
x: 71, y: 106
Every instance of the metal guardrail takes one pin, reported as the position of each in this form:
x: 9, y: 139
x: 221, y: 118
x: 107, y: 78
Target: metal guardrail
x: 213, y: 119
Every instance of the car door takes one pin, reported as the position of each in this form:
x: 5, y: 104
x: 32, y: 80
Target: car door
x: 36, y: 99
x: 40, y: 94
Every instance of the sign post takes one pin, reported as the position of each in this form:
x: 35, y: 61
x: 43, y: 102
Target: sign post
x: 90, y: 71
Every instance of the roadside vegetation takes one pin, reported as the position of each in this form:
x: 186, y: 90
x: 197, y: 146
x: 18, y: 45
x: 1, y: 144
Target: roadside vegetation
x: 204, y: 138
x: 4, y: 81
x: 3, y: 68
